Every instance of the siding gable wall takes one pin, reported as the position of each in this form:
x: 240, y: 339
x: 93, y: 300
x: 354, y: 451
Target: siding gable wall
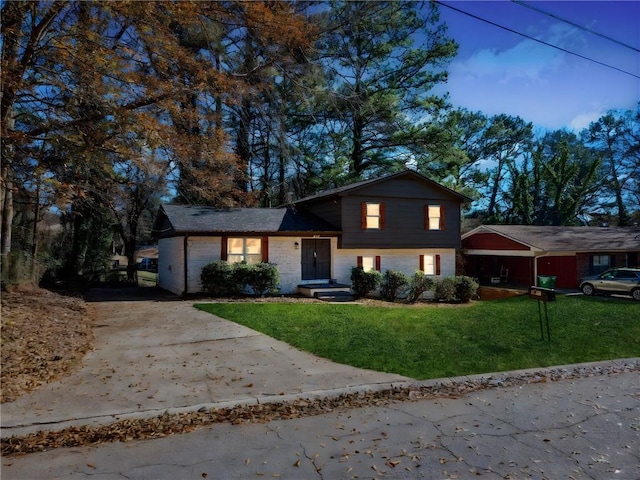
x: 404, y: 227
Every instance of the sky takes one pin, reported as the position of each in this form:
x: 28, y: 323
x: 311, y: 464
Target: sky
x: 497, y: 71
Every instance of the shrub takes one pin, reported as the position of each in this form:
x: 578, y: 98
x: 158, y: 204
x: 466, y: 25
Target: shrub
x: 418, y: 284
x: 466, y: 288
x: 263, y: 278
x: 445, y: 290
x: 216, y: 277
x: 220, y: 278
x: 394, y: 284
x: 363, y: 282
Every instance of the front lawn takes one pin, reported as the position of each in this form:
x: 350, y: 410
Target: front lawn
x: 441, y: 341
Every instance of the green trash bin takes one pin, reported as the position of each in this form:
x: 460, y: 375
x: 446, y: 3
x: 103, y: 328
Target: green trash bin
x: 547, y: 281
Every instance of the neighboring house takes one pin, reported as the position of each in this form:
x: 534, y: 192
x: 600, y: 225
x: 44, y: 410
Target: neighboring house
x: 399, y: 222
x: 517, y: 254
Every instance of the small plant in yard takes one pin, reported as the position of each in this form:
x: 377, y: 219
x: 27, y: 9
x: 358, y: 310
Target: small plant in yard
x: 466, y: 288
x: 419, y: 284
x: 445, y: 290
x: 363, y: 282
x: 394, y: 285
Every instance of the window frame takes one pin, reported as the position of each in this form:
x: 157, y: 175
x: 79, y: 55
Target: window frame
x: 428, y: 217
x: 436, y: 264
x: 375, y: 260
x: 365, y: 216
x: 231, y: 256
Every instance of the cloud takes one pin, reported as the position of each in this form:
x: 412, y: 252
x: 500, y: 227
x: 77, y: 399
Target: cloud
x: 582, y: 121
x: 527, y: 60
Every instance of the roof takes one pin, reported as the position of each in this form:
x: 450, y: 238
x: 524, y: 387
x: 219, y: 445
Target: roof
x: 560, y: 238
x: 372, y: 181
x: 204, y: 219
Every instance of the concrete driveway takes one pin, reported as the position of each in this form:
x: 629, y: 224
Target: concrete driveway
x: 154, y: 352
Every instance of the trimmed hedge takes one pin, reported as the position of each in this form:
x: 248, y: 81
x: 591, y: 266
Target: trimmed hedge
x: 220, y: 278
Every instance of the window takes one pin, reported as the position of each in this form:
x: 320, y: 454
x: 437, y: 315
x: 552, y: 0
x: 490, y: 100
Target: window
x: 434, y: 217
x: 244, y: 250
x: 372, y: 216
x: 600, y: 263
x: 368, y: 263
x: 430, y: 264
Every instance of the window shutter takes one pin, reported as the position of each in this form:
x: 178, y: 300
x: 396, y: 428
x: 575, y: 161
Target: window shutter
x: 442, y: 224
x: 359, y: 261
x: 363, y: 215
x: 264, y: 247
x: 426, y: 217
x: 223, y: 248
x: 421, y: 263
x: 437, y: 264
x: 381, y: 216
x: 378, y: 262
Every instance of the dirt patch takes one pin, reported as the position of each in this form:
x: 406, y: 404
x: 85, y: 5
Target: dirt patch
x: 44, y: 335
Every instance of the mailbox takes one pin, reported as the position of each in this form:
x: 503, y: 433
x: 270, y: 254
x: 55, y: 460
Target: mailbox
x: 542, y: 294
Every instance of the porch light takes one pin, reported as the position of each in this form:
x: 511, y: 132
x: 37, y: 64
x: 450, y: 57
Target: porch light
x: 296, y: 245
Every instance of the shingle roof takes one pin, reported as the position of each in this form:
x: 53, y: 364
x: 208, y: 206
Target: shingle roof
x: 558, y: 238
x: 203, y: 219
x: 371, y: 181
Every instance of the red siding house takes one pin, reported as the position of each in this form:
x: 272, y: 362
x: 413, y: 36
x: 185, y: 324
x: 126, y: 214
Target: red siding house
x: 517, y: 254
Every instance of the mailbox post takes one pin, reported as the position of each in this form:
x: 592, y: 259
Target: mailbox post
x: 543, y: 295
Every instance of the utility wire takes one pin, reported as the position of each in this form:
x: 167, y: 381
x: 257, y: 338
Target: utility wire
x: 553, y: 15
x: 535, y: 39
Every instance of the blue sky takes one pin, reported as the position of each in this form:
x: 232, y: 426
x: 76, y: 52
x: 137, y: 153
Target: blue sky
x: 497, y: 71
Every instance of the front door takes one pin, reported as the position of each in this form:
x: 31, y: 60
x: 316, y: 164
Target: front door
x: 316, y: 259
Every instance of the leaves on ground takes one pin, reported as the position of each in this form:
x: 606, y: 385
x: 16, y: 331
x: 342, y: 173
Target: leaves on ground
x: 44, y: 335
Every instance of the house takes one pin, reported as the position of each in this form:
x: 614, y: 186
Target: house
x: 399, y: 222
x: 517, y: 254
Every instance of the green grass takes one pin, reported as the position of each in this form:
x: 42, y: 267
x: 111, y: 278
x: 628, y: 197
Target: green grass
x: 434, y: 342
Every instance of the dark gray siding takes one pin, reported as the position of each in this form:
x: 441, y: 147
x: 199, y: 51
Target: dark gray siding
x: 328, y: 209
x: 404, y: 202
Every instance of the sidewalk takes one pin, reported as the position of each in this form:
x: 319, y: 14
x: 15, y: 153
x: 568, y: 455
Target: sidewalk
x: 585, y: 428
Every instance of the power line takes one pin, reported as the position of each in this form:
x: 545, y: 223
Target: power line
x: 593, y: 32
x: 536, y: 39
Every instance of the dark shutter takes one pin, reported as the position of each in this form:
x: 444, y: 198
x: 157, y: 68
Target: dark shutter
x: 363, y: 215
x: 421, y: 263
x: 426, y: 217
x: 437, y: 264
x: 359, y: 261
x: 381, y: 216
x: 223, y: 248
x: 378, y: 262
x: 264, y: 247
x: 442, y: 224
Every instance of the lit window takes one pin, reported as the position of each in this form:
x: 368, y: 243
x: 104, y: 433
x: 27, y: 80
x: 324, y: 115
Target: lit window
x: 429, y: 267
x: 368, y: 263
x: 373, y: 215
x: 434, y: 217
x: 247, y: 250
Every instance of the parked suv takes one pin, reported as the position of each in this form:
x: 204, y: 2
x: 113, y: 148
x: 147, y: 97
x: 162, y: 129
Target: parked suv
x: 625, y: 281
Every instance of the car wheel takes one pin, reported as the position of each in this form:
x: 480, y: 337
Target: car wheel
x: 588, y: 289
x: 636, y: 294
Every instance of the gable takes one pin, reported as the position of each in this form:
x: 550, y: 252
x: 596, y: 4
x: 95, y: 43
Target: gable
x: 491, y: 241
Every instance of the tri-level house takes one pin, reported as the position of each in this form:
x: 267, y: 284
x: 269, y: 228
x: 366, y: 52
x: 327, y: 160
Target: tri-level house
x: 403, y: 222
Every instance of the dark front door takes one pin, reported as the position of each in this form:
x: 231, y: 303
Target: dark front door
x: 316, y: 259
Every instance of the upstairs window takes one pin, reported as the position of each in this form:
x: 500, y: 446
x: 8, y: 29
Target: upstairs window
x: 372, y: 216
x: 246, y: 249
x: 434, y: 217
x: 430, y: 264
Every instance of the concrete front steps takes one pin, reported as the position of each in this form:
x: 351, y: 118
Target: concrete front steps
x: 328, y: 292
